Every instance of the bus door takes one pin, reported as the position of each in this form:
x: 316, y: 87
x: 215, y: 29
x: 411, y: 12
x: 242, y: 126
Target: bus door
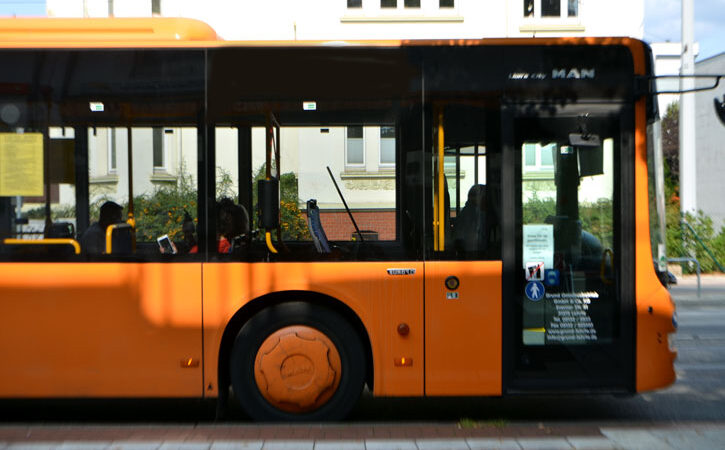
x: 567, y: 263
x: 463, y: 276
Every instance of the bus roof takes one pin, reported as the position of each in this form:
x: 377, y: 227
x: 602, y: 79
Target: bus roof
x: 164, y: 32
x: 103, y: 32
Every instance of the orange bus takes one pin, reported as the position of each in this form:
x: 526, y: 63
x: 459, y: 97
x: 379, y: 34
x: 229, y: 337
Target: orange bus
x: 304, y: 219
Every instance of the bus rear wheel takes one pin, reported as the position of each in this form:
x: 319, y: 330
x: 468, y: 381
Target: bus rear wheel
x: 297, y: 362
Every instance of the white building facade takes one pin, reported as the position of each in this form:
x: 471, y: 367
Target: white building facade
x: 710, y: 145
x: 381, y: 19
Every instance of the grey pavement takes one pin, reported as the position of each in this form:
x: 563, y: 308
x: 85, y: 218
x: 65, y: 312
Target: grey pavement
x: 666, y: 436
x: 712, y: 289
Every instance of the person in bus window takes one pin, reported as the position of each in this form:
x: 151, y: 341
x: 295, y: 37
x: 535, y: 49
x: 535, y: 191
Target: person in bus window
x: 188, y: 229
x: 469, y: 231
x: 232, y: 225
x: 93, y: 240
x: 188, y: 243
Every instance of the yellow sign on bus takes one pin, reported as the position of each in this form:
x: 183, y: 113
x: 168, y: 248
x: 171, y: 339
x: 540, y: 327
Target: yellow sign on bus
x: 21, y: 164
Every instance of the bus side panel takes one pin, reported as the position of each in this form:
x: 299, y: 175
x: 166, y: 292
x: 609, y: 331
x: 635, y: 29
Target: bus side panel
x: 655, y: 361
x: 463, y: 328
x: 381, y: 301
x: 100, y: 330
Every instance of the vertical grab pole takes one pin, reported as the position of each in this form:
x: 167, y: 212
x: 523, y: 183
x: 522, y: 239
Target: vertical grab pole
x: 46, y: 170
x: 268, y: 147
x: 269, y: 130
x: 475, y: 163
x: 436, y: 224
x: 458, y: 179
x: 277, y: 134
x: 439, y: 229
x: 131, y: 220
x: 46, y: 181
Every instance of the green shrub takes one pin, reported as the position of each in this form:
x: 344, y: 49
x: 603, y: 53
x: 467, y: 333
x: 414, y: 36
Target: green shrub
x: 162, y: 212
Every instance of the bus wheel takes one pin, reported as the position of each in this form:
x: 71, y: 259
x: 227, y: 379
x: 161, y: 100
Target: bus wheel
x: 297, y: 361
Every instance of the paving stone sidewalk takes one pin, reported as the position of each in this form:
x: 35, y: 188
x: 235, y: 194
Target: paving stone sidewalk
x: 359, y: 437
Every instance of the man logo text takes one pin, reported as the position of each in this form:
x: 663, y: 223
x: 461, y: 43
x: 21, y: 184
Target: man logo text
x: 576, y: 74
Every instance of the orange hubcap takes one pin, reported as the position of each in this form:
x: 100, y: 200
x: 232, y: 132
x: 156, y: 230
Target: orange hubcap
x: 297, y: 369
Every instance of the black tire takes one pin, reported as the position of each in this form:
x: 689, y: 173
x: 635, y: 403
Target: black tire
x: 322, y: 319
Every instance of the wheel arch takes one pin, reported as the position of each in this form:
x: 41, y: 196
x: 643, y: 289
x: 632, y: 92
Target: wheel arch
x: 246, y: 312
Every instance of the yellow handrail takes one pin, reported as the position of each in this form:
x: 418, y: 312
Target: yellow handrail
x: 268, y: 239
x: 50, y: 241
x: 603, y: 266
x: 109, y: 234
x: 439, y: 228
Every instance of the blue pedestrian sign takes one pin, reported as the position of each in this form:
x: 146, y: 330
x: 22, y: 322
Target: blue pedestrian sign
x: 551, y: 277
x: 535, y: 290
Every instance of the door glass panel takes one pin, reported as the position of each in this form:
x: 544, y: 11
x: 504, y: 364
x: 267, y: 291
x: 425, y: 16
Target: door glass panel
x: 569, y: 315
x: 568, y: 237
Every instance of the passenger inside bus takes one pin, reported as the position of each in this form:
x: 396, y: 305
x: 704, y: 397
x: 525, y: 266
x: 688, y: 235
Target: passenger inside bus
x: 93, y: 240
x: 188, y: 229
x: 232, y: 229
x: 188, y: 243
x: 469, y: 229
x: 232, y: 226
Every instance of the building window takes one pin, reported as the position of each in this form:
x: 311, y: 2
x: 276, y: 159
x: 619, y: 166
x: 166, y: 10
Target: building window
x: 111, y: 150
x: 394, y: 3
x: 387, y: 146
x: 539, y: 157
x: 573, y: 10
x: 528, y: 8
x: 404, y: 7
x: 160, y: 144
x: 355, y: 147
x: 551, y: 8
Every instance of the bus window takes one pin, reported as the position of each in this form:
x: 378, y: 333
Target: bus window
x: 471, y: 188
x: 369, y: 188
x: 164, y: 186
x: 363, y: 129
x: 118, y: 126
x: 305, y: 153
x: 47, y: 217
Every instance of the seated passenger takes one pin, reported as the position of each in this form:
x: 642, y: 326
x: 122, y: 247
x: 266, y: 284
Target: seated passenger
x: 232, y: 225
x: 470, y: 235
x: 93, y: 240
x: 188, y: 229
x: 591, y: 251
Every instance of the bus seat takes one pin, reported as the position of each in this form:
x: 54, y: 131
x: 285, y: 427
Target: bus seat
x: 121, y: 239
x: 60, y: 230
x: 40, y: 248
x: 315, y: 226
